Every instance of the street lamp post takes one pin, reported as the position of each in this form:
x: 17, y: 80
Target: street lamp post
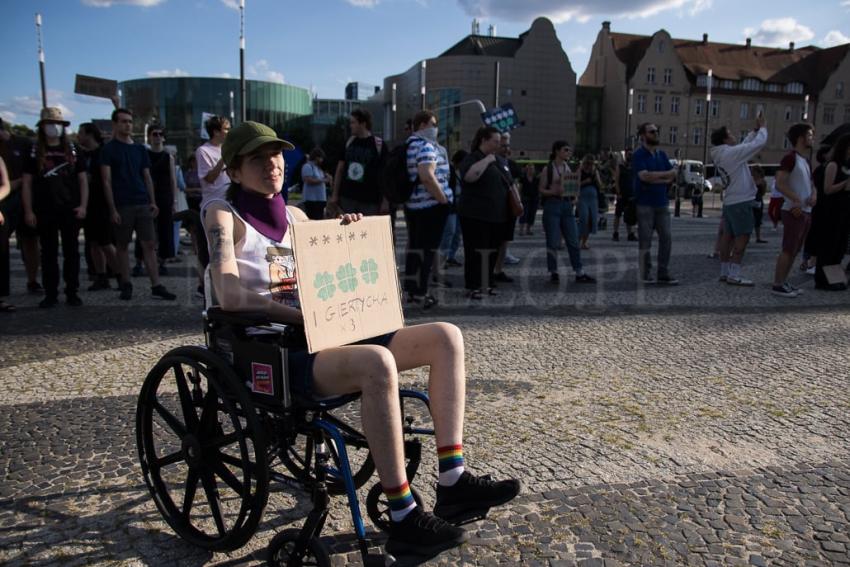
x: 806, y: 108
x: 629, y: 119
x: 41, y: 61
x: 242, y: 109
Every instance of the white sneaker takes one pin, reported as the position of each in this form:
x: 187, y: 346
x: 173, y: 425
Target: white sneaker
x: 722, y: 279
x: 738, y: 280
x: 811, y: 271
x: 511, y: 260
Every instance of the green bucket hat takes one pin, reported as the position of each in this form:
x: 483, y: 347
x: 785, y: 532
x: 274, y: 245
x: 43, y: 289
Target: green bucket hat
x: 247, y: 137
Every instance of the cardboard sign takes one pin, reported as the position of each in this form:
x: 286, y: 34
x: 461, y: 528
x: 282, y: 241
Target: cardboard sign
x: 95, y: 86
x: 504, y: 118
x: 347, y: 280
x: 571, y: 184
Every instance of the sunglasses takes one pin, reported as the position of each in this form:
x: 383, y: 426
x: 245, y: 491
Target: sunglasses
x: 652, y: 131
x: 156, y: 134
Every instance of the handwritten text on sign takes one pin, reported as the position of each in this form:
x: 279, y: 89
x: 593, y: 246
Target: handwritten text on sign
x: 347, y: 279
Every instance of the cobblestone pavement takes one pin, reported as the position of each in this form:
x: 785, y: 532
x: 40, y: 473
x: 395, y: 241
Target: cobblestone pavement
x: 699, y: 425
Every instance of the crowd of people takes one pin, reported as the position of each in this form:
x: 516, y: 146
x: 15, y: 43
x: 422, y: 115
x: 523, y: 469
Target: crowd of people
x: 471, y: 201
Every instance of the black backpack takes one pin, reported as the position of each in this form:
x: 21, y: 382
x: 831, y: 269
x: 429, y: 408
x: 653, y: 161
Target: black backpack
x: 395, y: 183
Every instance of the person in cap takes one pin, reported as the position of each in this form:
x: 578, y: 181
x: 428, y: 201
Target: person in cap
x: 55, y: 195
x: 251, y: 253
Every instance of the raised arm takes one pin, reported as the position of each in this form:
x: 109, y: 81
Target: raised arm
x: 475, y: 172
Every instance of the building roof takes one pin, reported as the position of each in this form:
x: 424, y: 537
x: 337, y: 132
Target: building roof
x: 486, y: 45
x: 809, y: 65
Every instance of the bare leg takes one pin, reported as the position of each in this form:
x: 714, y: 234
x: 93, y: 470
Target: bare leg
x: 32, y: 259
x: 98, y: 260
x: 439, y: 345
x: 371, y: 370
x: 500, y: 258
x: 151, y: 263
x: 111, y: 256
x: 122, y: 261
x: 724, y: 246
x: 738, y: 249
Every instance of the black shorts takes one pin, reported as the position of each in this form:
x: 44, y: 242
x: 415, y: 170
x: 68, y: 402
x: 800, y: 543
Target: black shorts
x: 301, y: 365
x: 508, y: 228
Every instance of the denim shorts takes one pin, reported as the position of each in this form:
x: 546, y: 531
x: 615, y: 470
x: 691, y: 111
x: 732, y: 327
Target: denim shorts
x: 301, y: 365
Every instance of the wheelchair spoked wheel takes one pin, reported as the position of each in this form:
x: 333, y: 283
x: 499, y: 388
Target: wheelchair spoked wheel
x: 282, y: 546
x: 202, y: 449
x: 299, y: 457
x: 378, y: 507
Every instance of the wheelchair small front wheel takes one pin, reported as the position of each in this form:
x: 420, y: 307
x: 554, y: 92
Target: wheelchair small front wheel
x: 378, y: 507
x: 282, y: 547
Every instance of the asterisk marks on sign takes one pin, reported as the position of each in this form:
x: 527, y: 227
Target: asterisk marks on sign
x: 363, y: 235
x: 339, y: 239
x: 351, y: 236
x: 314, y: 240
x: 326, y: 239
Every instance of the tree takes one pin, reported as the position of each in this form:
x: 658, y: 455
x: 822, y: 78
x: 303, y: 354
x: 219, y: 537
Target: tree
x: 22, y: 130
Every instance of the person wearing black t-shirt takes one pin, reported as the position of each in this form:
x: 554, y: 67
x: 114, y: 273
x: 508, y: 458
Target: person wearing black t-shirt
x: 625, y: 206
x: 165, y: 195
x: 357, y: 183
x: 530, y: 195
x: 55, y: 195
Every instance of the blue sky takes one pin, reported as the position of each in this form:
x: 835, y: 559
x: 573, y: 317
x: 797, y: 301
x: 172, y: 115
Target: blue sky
x: 323, y: 44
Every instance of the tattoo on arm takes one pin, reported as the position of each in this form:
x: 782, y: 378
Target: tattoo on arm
x: 221, y: 245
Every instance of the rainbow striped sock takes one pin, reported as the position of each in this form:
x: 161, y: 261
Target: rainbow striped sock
x: 451, y: 464
x: 401, y: 501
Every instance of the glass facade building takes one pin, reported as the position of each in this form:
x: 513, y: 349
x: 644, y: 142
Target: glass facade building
x: 178, y: 103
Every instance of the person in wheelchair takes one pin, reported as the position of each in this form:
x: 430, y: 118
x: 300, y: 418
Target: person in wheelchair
x: 245, y: 276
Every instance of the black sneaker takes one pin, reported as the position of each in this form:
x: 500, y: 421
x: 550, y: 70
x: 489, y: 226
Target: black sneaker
x: 503, y: 277
x: 452, y: 263
x: 429, y: 301
x: 616, y: 236
x: 73, y: 299
x: 162, y: 293
x: 48, y: 302
x: 423, y: 533
x: 137, y: 271
x: 632, y: 237
x: 471, y: 497
x: 554, y: 277
x: 584, y: 278
x: 667, y: 279
x: 34, y: 288
x: 126, y: 291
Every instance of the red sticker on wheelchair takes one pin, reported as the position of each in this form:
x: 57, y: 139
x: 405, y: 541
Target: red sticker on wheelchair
x: 261, y: 378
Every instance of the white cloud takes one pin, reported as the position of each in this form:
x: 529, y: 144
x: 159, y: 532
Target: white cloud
x: 845, y: 3
x: 224, y: 75
x: 835, y: 37
x: 177, y: 72
x: 580, y: 10
x: 364, y: 3
x: 578, y: 50
x: 31, y: 106
x: 232, y: 4
x: 110, y: 3
x: 8, y: 116
x: 262, y: 70
x: 779, y: 32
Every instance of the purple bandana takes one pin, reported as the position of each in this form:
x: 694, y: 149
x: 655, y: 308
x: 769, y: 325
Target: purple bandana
x: 267, y: 216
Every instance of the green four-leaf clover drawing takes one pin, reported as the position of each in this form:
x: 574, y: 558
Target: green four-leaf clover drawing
x: 324, y: 282
x: 369, y: 269
x: 347, y: 277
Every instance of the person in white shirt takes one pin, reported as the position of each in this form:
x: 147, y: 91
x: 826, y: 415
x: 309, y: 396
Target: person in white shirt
x: 211, y: 169
x: 730, y: 160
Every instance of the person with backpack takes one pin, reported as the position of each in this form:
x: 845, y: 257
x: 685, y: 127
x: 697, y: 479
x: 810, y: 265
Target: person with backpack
x: 55, y: 196
x: 427, y: 207
x: 313, y: 185
x: 357, y: 182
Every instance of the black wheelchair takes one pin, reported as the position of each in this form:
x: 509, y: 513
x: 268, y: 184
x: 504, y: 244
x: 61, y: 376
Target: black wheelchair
x: 216, y: 425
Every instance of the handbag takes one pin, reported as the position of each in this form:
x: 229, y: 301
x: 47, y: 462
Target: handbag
x: 514, y: 202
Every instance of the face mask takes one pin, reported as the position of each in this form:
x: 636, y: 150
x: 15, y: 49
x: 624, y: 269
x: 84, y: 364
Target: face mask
x: 53, y: 130
x: 429, y: 133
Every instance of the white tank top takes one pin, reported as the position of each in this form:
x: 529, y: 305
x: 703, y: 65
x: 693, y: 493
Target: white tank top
x: 265, y: 267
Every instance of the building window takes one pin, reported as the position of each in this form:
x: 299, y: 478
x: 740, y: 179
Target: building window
x: 751, y: 84
x: 829, y: 114
x: 773, y: 88
x: 659, y: 101
x: 523, y: 92
x: 727, y: 84
x: 715, y: 108
x: 509, y: 92
x: 794, y: 88
x: 697, y: 132
x: 745, y: 111
x: 641, y: 103
x: 787, y: 113
x: 668, y: 76
x: 661, y: 45
x: 759, y: 109
x: 785, y: 143
x: 839, y: 89
x: 698, y: 107
x: 674, y: 105
x: 702, y: 80
x: 650, y: 75
x: 673, y: 135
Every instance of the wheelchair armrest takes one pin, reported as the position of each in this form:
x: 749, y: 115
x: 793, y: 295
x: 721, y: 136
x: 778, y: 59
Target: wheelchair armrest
x: 237, y: 318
